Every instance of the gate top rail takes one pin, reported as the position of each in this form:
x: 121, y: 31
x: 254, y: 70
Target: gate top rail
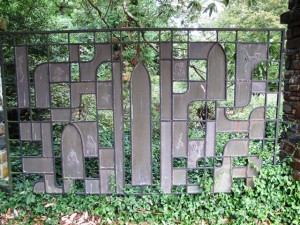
x: 139, y: 29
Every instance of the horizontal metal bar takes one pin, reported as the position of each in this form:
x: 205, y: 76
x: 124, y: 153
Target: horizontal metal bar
x: 138, y: 30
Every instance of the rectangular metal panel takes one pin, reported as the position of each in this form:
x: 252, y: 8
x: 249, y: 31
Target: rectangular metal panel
x: 25, y: 131
x: 199, y: 50
x: 89, y: 137
x: 104, y: 95
x: 259, y: 87
x: 46, y: 140
x: 257, y: 130
x: 210, y: 141
x: 106, y: 159
x: 196, y: 150
x: 166, y: 50
x: 92, y: 186
x: 36, y: 131
x: 243, y: 93
x: 166, y: 90
x: 180, y: 70
x: 179, y: 139
x: 37, y: 165
x: 240, y: 172
x: 194, y: 189
x: 61, y: 115
x: 179, y: 177
x: 105, y: 180
x: 203, y: 130
x: 166, y: 157
x: 22, y: 76
x: 59, y: 72
x: 74, y: 53
x: 42, y: 86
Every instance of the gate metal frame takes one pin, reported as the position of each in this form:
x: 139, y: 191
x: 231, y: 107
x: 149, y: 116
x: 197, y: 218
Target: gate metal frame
x: 179, y: 175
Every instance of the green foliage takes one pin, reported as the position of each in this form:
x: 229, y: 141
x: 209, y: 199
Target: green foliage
x: 275, y: 199
x: 26, y: 14
x: 89, y: 14
x: 252, y: 14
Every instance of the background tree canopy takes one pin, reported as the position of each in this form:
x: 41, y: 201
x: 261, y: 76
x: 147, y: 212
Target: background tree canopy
x: 263, y: 14
x: 28, y: 15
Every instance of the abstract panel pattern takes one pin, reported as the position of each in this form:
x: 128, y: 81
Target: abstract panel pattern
x: 166, y: 110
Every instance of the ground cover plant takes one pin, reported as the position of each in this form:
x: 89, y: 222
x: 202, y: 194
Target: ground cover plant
x: 275, y: 199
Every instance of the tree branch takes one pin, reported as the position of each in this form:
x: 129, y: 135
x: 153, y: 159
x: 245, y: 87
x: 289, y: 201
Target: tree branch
x: 134, y: 19
x: 99, y: 13
x: 88, y: 8
x: 110, y: 2
x: 197, y: 71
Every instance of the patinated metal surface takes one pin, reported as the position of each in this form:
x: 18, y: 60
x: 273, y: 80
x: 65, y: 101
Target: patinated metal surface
x: 84, y: 144
x: 141, y: 126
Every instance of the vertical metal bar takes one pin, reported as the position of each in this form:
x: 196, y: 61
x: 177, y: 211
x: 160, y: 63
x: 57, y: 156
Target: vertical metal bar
x: 4, y: 99
x: 267, y: 92
x: 21, y: 143
x: 141, y: 126
x: 51, y: 124
x: 118, y: 127
x: 54, y: 158
x: 29, y: 98
x: 279, y: 94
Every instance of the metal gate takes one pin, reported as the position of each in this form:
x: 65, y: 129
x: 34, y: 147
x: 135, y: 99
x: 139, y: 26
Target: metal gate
x: 141, y: 110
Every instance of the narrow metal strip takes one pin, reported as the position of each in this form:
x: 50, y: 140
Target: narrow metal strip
x: 118, y: 127
x: 22, y: 76
x: 141, y: 126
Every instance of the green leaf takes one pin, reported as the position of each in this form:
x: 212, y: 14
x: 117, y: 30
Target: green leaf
x: 252, y: 2
x: 212, y: 7
x: 225, y: 2
x: 195, y: 5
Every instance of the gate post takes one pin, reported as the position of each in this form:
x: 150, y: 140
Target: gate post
x: 291, y: 105
x: 3, y: 154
